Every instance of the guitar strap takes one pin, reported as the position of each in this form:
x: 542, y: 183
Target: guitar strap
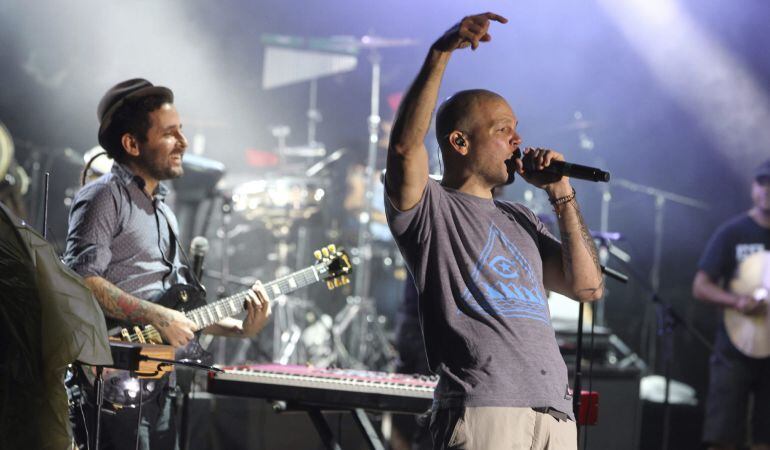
x: 185, y: 258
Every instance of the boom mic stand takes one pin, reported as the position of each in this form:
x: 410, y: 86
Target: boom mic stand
x: 668, y: 318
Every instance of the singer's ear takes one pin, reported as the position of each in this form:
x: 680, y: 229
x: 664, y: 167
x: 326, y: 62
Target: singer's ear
x: 459, y: 142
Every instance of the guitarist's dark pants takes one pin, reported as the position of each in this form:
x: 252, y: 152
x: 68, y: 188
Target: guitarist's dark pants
x: 119, y: 429
x: 733, y: 379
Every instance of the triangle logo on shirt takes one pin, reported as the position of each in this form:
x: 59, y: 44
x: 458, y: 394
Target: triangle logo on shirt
x: 503, y: 283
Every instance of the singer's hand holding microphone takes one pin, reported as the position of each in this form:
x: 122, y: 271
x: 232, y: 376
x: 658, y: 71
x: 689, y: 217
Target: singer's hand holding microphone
x: 541, y: 167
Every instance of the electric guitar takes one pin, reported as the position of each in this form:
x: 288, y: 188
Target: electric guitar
x: 120, y: 389
x: 333, y: 266
x: 751, y: 333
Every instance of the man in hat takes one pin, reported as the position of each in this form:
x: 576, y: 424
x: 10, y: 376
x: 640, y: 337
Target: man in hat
x: 481, y: 267
x: 734, y: 377
x: 122, y: 240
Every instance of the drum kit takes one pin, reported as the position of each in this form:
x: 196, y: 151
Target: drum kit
x: 298, y: 199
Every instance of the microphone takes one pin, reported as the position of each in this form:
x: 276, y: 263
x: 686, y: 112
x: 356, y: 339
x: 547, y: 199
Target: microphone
x: 198, y: 249
x: 577, y: 171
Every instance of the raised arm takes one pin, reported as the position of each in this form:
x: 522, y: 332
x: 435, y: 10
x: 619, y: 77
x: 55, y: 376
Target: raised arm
x: 407, y: 162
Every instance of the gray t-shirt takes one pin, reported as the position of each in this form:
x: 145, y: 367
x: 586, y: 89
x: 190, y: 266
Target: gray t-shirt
x: 477, y: 266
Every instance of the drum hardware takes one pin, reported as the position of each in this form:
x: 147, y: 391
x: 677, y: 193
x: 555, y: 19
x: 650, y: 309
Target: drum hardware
x: 302, y: 334
x: 324, y: 163
x: 292, y: 59
x: 224, y: 264
x: 360, y: 340
x: 279, y: 202
x: 372, y: 44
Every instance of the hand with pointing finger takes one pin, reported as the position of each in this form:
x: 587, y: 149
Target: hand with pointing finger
x: 470, y: 31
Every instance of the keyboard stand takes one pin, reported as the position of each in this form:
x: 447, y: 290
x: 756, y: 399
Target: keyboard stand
x: 323, y: 428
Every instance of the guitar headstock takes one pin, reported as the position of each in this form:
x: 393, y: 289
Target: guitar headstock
x: 334, y: 265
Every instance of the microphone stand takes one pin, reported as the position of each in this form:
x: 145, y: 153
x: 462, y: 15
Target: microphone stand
x: 576, y: 394
x: 668, y: 318
x: 99, y: 386
x: 99, y: 395
x: 661, y: 197
x: 222, y: 289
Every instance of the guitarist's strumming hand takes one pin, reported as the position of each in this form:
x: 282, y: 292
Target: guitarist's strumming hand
x: 751, y: 305
x: 257, y: 311
x: 176, y: 329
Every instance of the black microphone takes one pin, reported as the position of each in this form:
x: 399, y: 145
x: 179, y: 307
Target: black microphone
x: 198, y: 249
x: 577, y: 171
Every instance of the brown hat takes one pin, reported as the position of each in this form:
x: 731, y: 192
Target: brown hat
x: 115, y: 98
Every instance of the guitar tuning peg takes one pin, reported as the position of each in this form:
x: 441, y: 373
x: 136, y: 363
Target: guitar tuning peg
x: 139, y: 335
x: 332, y: 248
x: 317, y: 254
x: 325, y: 252
x: 330, y: 284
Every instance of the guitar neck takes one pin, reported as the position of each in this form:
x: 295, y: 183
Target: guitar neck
x: 233, y: 305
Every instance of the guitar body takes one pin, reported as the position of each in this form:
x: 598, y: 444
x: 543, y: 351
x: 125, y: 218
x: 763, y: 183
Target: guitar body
x: 121, y: 387
x: 750, y: 333
x: 183, y: 297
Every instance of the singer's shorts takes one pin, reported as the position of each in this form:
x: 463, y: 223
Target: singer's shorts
x: 498, y: 428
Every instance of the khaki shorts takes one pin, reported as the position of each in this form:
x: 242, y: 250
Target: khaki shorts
x: 491, y: 428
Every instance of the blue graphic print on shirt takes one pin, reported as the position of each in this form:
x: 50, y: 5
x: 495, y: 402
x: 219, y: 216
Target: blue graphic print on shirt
x: 502, y: 282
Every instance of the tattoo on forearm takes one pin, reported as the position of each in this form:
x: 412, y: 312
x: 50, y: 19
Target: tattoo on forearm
x: 587, y: 242
x: 590, y: 246
x: 119, y: 305
x: 566, y: 251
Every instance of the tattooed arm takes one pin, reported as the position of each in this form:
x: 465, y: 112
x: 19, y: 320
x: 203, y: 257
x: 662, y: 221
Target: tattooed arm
x: 573, y: 268
x: 174, y: 327
x: 580, y: 269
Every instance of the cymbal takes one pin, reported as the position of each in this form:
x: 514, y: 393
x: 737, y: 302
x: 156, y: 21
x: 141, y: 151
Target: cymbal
x: 352, y: 44
x: 382, y: 42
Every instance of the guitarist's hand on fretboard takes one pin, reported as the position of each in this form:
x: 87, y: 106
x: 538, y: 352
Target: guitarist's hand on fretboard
x: 258, y: 310
x: 175, y: 328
